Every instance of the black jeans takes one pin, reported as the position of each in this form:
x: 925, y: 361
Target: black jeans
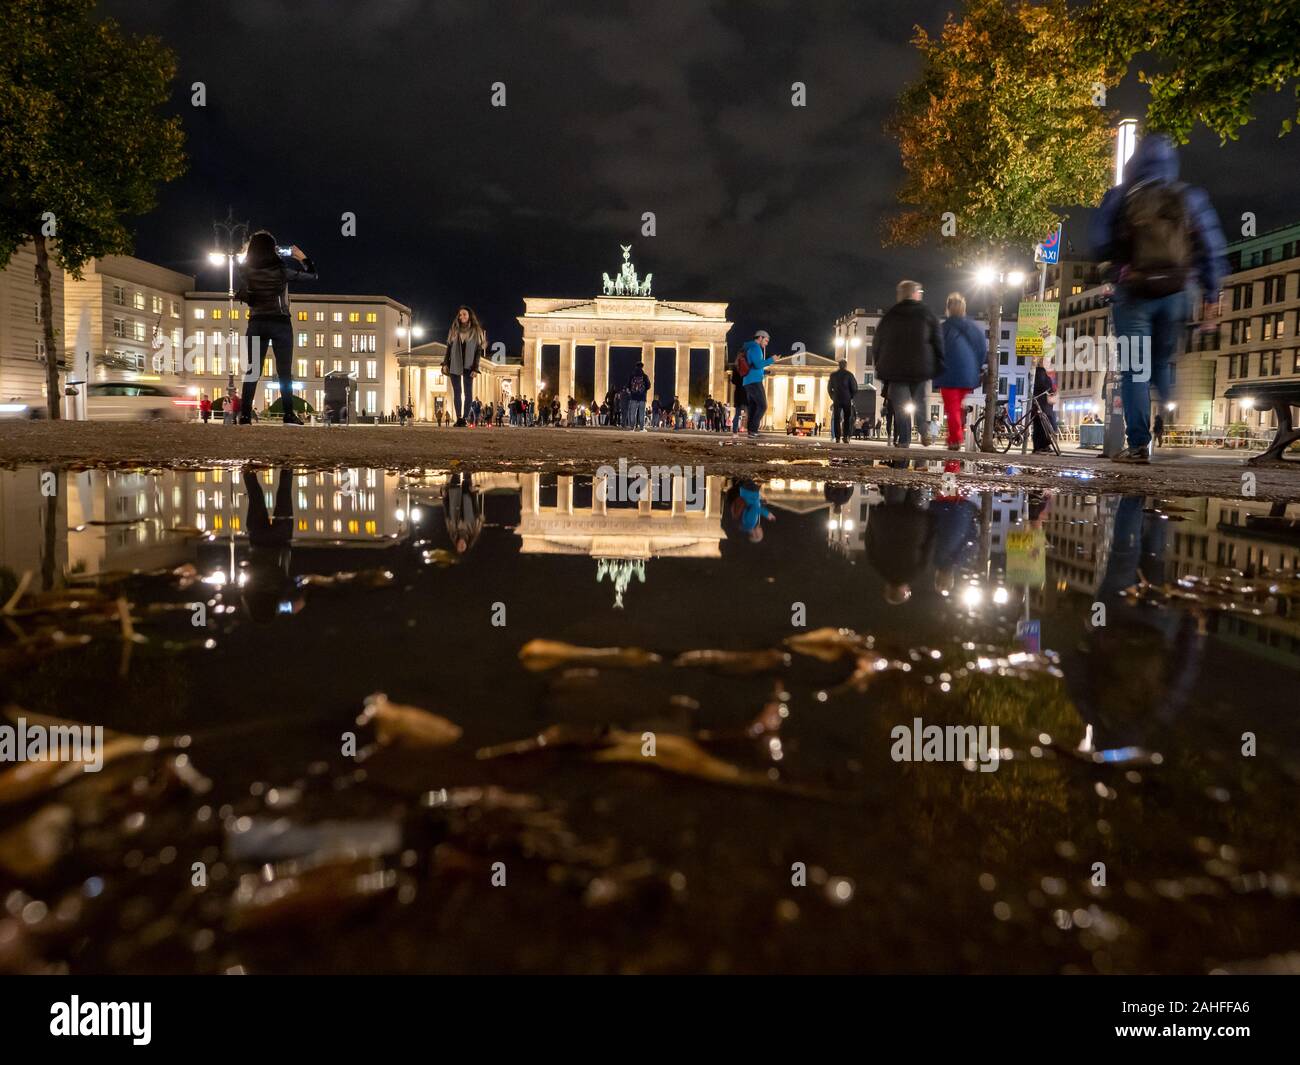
x: 462, y: 393
x: 264, y: 333
x: 756, y: 404
x: 841, y: 421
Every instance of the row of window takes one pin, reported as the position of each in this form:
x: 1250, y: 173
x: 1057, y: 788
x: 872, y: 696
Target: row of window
x: 217, y: 314
x: 122, y: 297
x: 1243, y: 295
x: 1271, y: 327
x: 1263, y: 257
x: 1268, y: 364
x: 218, y: 366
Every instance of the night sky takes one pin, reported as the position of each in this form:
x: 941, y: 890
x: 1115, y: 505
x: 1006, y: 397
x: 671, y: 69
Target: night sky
x: 316, y: 107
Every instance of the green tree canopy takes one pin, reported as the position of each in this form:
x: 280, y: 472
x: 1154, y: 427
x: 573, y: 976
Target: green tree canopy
x: 83, y: 144
x: 1002, y: 129
x: 1211, y: 58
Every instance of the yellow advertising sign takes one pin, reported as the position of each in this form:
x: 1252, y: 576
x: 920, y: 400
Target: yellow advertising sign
x: 1036, y: 329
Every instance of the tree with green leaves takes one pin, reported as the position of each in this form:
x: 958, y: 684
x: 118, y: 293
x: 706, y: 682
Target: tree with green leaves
x: 999, y: 133
x: 83, y: 143
x: 1211, y: 59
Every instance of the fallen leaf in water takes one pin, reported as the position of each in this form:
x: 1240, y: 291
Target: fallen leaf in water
x: 829, y: 644
x: 323, y: 893
x: 33, y: 777
x: 33, y: 846
x: 679, y: 755
x: 367, y: 578
x: 538, y: 655
x: 735, y: 661
x: 397, y: 723
x: 440, y: 556
x: 552, y: 738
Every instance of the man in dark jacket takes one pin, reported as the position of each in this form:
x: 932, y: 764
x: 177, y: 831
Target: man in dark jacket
x: 637, y: 387
x: 842, y: 388
x: 1158, y: 236
x: 908, y: 350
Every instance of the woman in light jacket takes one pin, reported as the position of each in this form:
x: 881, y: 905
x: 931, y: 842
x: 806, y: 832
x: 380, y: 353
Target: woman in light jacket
x: 466, y: 344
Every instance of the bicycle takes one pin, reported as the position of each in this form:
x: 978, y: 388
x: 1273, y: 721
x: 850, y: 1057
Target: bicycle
x: 1008, y: 434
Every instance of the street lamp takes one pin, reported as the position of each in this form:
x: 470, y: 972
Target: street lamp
x: 229, y: 238
x: 1125, y: 143
x: 996, y: 279
x: 411, y: 332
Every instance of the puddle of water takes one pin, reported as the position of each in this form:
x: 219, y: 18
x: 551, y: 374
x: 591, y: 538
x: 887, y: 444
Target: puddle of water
x: 804, y: 725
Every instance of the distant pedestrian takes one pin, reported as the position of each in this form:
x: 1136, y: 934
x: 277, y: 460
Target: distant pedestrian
x: 963, y: 355
x: 1158, y: 236
x: 205, y: 409
x: 842, y: 387
x: 637, y: 387
x: 908, y: 350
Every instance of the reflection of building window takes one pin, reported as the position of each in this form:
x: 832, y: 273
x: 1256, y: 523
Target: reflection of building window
x: 800, y: 389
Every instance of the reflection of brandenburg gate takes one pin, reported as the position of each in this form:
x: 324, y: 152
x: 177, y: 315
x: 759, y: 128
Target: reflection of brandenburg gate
x: 643, y: 529
x: 568, y: 342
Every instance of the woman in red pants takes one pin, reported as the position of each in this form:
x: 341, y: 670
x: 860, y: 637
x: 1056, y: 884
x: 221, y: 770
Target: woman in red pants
x: 963, y: 355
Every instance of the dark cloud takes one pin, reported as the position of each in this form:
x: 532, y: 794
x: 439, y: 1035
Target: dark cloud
x: 614, y: 109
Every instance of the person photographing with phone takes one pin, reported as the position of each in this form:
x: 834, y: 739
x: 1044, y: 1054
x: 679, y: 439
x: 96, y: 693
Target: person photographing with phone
x: 264, y: 286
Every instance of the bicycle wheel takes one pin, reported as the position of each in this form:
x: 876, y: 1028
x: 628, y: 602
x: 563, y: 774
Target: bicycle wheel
x: 1003, y: 435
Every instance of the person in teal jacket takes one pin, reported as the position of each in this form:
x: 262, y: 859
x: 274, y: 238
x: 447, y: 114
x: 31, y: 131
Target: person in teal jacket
x: 755, y: 398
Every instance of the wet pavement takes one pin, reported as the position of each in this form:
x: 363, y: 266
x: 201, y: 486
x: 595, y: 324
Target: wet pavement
x: 432, y: 720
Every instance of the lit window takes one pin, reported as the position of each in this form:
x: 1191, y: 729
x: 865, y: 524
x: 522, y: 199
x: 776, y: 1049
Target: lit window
x: 371, y: 316
x: 320, y: 316
x: 217, y: 314
x: 338, y: 340
x: 302, y: 340
x: 337, y: 316
x: 200, y: 313
x: 302, y: 316
x: 320, y: 340
x: 371, y: 369
x: 138, y: 301
x: 302, y: 367
x: 354, y: 316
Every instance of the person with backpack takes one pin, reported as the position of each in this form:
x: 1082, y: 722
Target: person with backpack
x: 637, y: 387
x: 963, y: 355
x: 1158, y: 235
x: 842, y: 387
x: 750, y: 363
x: 908, y: 350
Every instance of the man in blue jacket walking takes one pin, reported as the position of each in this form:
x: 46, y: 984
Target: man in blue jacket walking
x: 755, y: 397
x: 1158, y: 235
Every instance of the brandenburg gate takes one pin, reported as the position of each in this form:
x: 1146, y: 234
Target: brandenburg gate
x: 611, y: 332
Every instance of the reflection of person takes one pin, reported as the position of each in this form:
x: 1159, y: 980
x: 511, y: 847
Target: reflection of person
x: 754, y: 513
x: 900, y: 538
x: 462, y: 507
x: 267, y: 588
x: 1138, y: 664
x: 264, y: 286
x: 954, y: 536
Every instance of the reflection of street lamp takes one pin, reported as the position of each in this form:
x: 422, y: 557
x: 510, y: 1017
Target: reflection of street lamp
x: 229, y: 251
